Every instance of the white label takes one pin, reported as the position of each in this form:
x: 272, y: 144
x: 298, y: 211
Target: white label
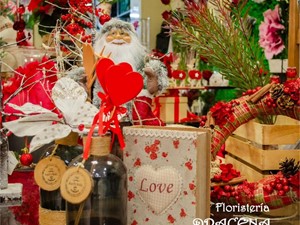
x: 12, y: 162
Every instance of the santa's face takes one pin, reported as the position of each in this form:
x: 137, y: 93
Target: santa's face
x: 118, y: 37
x: 122, y: 46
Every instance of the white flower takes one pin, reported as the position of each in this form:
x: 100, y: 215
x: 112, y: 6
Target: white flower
x: 46, y: 126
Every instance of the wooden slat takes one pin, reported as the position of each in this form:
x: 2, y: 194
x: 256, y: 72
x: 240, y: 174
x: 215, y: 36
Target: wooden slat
x: 293, y: 46
x: 286, y: 131
x: 259, y: 158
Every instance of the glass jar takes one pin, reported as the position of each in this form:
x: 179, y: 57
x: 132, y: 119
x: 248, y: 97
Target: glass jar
x: 107, y: 203
x: 52, y: 205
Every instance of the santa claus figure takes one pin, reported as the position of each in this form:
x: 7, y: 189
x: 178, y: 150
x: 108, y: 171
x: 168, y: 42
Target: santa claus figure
x: 156, y: 80
x: 119, y: 40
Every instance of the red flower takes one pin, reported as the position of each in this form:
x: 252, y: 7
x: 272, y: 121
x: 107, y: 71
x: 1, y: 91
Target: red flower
x: 176, y: 143
x: 189, y: 165
x: 171, y: 219
x: 192, y: 186
x: 292, y: 88
x: 130, y: 195
x: 269, y: 33
x: 156, y: 142
x: 153, y: 156
x: 137, y: 162
x: 222, y: 112
x: 164, y: 154
x: 182, y: 213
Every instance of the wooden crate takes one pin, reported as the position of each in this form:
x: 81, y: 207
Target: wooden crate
x: 257, y: 149
x: 285, y: 131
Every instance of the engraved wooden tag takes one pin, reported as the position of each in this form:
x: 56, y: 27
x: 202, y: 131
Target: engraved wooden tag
x: 48, y: 173
x: 76, y: 185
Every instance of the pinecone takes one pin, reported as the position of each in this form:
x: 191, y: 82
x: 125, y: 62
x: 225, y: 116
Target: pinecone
x: 289, y: 168
x: 276, y: 91
x: 285, y: 102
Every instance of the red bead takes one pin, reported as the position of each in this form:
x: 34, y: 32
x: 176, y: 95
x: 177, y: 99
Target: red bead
x: 21, y: 9
x: 80, y: 127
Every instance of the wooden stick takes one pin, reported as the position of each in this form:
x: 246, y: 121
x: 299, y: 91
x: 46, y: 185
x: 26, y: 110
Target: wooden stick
x: 260, y: 93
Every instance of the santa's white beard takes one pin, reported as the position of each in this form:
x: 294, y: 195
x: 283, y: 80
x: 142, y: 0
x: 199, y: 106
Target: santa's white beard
x: 132, y: 53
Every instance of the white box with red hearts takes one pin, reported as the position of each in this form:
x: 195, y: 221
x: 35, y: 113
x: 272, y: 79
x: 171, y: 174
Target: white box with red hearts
x: 168, y: 174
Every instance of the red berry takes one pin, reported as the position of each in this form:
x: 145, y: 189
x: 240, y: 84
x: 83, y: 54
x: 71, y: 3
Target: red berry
x: 279, y: 187
x: 26, y: 159
x: 227, y: 188
x: 80, y: 127
x: 272, y: 184
x: 284, y: 181
x: 268, y: 189
x: 286, y: 188
x: 21, y: 9
x: 281, y: 193
x: 217, y: 177
x: 104, y: 18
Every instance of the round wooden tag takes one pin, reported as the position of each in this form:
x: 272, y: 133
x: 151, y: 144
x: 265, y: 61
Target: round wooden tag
x: 48, y: 173
x: 76, y: 185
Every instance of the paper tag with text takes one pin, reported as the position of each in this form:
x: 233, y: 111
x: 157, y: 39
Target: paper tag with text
x: 12, y: 162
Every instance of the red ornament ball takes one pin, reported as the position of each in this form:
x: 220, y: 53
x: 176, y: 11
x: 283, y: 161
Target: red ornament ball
x: 26, y: 159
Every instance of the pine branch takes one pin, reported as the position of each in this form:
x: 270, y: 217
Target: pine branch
x: 224, y: 39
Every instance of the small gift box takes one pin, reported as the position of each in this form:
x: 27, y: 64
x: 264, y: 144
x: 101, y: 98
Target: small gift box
x: 168, y: 174
x: 172, y: 108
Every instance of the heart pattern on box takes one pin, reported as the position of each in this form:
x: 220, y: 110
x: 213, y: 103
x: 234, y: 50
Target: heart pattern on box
x: 158, y: 188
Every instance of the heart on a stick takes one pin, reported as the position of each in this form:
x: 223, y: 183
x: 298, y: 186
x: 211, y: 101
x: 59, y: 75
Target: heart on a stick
x: 158, y: 188
x: 120, y: 82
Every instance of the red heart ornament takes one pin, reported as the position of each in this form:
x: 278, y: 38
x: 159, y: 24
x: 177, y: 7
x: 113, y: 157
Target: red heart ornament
x: 122, y: 84
x: 102, y: 66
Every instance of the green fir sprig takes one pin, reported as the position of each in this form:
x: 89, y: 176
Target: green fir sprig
x: 222, y: 35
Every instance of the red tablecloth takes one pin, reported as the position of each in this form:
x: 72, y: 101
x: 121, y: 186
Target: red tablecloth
x: 27, y: 213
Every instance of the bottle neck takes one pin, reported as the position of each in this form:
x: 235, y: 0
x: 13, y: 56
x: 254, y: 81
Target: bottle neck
x: 100, y: 145
x: 70, y: 140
